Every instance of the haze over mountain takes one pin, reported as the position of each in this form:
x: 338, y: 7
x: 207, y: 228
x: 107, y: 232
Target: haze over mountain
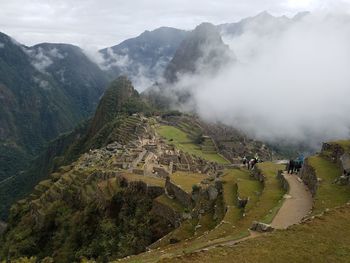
x: 45, y: 90
x: 143, y: 58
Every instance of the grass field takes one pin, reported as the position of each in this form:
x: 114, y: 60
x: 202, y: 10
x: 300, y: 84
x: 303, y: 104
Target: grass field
x: 187, y: 180
x: 328, y: 194
x: 154, y: 181
x: 182, y: 142
x: 322, y: 240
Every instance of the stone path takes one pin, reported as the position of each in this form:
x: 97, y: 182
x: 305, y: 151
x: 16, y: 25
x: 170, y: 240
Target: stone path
x: 297, y: 205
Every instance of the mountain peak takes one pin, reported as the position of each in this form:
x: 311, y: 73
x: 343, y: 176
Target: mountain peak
x: 264, y: 14
x: 114, y: 101
x: 202, y: 50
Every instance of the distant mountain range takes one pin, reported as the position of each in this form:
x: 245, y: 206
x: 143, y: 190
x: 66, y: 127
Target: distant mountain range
x: 47, y: 89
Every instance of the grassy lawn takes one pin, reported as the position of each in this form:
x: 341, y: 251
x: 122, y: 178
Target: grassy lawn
x: 323, y: 240
x: 181, y: 141
x: 154, y: 181
x: 328, y: 194
x: 187, y: 180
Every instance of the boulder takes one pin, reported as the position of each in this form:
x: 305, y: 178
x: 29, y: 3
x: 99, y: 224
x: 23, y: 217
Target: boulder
x: 261, y: 227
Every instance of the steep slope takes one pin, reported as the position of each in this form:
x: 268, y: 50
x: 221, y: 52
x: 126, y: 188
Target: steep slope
x: 72, y: 70
x: 44, y: 90
x: 119, y: 101
x: 143, y: 58
x: 202, y: 51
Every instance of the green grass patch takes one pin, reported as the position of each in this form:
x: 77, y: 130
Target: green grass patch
x: 322, y: 240
x: 187, y: 180
x: 328, y: 193
x: 273, y: 197
x: 182, y: 142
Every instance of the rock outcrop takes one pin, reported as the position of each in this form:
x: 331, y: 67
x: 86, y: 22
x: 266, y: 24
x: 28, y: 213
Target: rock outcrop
x: 261, y: 227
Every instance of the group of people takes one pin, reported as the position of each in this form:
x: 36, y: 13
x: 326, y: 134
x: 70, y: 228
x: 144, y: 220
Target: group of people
x: 295, y: 165
x: 251, y: 162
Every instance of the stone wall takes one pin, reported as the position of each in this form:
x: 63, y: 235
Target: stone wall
x: 282, y: 180
x: 309, y: 177
x: 173, y: 190
x: 206, y: 199
x: 161, y: 172
x: 257, y: 174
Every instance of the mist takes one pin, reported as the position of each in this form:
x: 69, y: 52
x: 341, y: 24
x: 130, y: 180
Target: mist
x: 288, y: 84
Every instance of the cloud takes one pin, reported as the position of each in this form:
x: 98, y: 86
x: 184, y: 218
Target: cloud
x: 108, y: 22
x: 2, y: 45
x: 41, y: 59
x: 293, y: 87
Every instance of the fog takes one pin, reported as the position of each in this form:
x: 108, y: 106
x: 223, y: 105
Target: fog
x: 291, y: 85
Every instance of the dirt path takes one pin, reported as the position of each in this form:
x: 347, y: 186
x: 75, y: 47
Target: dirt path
x: 297, y: 205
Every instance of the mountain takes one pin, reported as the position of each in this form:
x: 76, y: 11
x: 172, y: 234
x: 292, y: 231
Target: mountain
x: 114, y: 187
x: 119, y: 100
x: 122, y: 204
x: 81, y: 79
x: 143, y: 58
x: 202, y: 51
x: 45, y: 90
x: 262, y: 24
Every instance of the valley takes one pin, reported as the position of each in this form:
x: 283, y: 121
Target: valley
x: 202, y: 145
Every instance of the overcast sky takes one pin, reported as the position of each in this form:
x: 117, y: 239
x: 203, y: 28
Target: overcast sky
x: 101, y: 23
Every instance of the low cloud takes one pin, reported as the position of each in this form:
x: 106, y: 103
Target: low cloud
x: 292, y: 85
x: 41, y: 59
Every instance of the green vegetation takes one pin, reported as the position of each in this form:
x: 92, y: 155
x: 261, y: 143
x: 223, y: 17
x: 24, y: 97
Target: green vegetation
x: 264, y: 201
x: 322, y: 240
x: 181, y: 141
x: 74, y: 217
x: 37, y: 107
x: 173, y: 203
x: 273, y: 197
x: 187, y: 180
x: 112, y: 122
x: 345, y: 144
x: 328, y: 194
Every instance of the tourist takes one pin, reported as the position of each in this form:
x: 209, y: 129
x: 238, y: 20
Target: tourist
x: 291, y: 166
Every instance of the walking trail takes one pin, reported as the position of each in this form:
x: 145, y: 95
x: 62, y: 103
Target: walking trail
x: 297, y: 205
